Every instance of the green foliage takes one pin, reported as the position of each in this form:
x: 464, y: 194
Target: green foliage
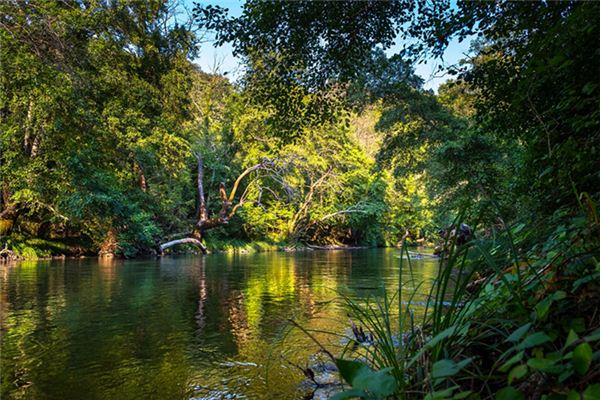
x: 94, y: 98
x: 341, y: 37
x: 366, y: 384
x: 518, y: 330
x: 102, y: 113
x: 532, y: 81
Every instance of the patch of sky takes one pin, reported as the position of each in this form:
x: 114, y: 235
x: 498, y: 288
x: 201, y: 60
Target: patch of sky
x: 221, y: 59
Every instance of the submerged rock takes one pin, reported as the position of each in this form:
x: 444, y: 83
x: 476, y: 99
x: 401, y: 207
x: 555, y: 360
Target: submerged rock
x: 325, y: 380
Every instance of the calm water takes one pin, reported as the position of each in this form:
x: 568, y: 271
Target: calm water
x: 178, y: 328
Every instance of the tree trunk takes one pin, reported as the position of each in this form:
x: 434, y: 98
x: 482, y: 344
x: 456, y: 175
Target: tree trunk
x: 204, y: 222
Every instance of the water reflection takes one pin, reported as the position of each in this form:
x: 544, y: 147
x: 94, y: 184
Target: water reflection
x: 177, y: 328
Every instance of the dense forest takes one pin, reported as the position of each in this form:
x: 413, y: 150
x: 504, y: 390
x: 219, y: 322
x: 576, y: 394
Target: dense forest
x: 106, y: 120
x: 114, y: 142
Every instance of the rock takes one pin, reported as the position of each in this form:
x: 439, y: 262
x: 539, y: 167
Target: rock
x: 325, y: 380
x: 326, y: 392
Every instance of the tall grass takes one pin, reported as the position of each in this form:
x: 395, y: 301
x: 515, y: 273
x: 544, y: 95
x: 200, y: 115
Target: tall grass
x: 500, y: 321
x: 409, y: 343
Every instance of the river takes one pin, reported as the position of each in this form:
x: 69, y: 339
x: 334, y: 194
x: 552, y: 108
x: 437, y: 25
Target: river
x: 181, y: 327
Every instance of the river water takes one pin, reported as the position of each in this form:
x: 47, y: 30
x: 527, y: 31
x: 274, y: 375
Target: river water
x: 181, y: 327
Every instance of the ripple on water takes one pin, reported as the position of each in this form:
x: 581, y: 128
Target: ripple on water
x: 190, y: 327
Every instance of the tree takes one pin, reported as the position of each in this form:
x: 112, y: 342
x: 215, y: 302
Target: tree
x: 228, y: 208
x: 93, y: 98
x: 534, y: 81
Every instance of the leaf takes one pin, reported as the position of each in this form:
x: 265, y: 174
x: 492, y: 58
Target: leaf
x: 381, y: 383
x: 446, y: 368
x: 546, y: 172
x: 587, y: 278
x: 441, y: 394
x: 573, y: 395
x: 514, y: 359
x: 360, y: 376
x: 350, y: 369
x: 559, y: 295
x: 592, y: 392
x: 582, y: 358
x: 571, y: 338
x: 592, y: 337
x: 518, y: 334
x: 577, y: 324
x: 541, y: 364
x: 589, y: 87
x: 518, y: 228
x: 462, y: 395
x: 441, y: 336
x: 509, y: 393
x: 535, y: 339
x: 565, y: 375
x: 517, y: 373
x: 542, y: 308
x: 349, y: 394
x: 438, y: 338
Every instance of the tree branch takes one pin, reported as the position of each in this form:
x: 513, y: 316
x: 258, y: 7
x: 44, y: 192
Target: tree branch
x: 193, y: 241
x: 203, y: 221
x: 348, y: 211
x: 262, y: 165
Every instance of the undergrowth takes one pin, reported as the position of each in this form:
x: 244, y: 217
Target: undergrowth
x: 513, y: 315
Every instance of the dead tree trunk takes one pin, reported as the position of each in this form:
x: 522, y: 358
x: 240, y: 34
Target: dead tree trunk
x: 183, y: 241
x: 204, y: 221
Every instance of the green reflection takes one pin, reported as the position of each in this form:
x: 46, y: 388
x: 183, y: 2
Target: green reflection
x: 178, y: 328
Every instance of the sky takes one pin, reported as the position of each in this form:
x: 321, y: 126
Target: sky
x: 221, y: 59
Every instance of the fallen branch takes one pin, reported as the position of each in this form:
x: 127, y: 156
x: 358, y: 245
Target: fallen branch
x: 193, y: 241
x: 8, y: 255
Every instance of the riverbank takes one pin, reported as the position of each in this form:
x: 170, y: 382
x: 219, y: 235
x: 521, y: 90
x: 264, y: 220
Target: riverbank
x: 44, y: 249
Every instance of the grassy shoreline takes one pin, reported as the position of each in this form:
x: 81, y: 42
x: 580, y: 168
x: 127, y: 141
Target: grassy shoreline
x: 44, y: 249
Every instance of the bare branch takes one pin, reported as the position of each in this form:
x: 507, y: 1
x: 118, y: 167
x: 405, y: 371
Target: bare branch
x: 204, y: 222
x: 264, y: 164
x: 348, y: 211
x: 193, y: 241
x: 202, y: 214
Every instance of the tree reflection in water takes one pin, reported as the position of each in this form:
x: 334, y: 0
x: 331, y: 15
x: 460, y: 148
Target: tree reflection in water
x: 179, y: 327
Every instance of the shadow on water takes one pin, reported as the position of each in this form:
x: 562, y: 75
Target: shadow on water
x: 179, y: 328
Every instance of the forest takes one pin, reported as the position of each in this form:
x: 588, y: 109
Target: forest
x: 105, y: 119
x: 113, y: 142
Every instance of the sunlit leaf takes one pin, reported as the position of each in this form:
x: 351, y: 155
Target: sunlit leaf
x: 517, y: 373
x: 582, y: 358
